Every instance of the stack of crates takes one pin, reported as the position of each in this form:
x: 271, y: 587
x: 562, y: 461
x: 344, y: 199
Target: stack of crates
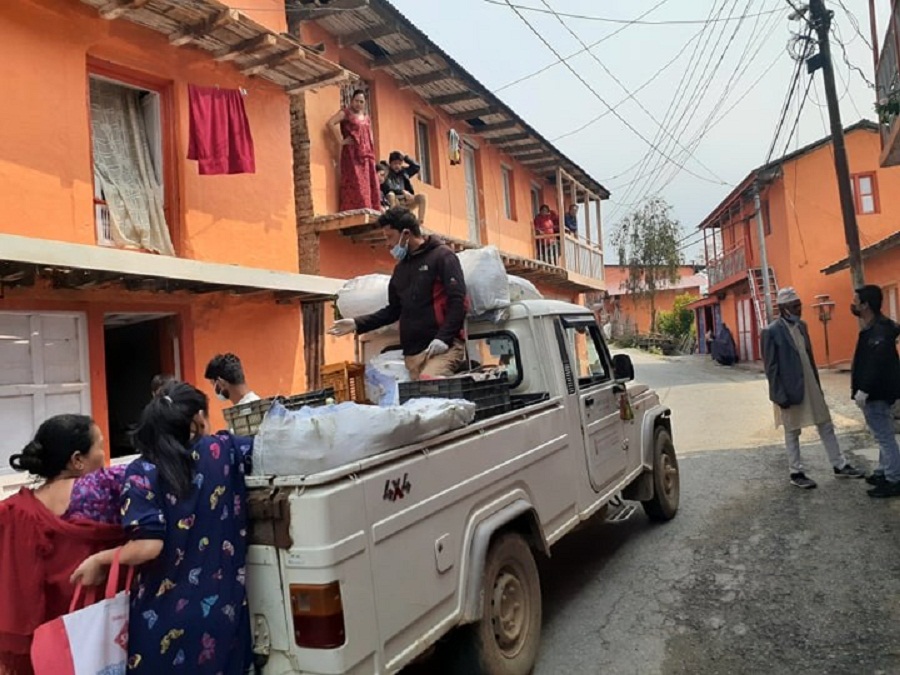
x: 490, y: 396
x: 245, y: 419
x: 348, y: 381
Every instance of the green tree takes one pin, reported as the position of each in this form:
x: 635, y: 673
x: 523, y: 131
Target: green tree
x: 678, y: 323
x: 647, y: 243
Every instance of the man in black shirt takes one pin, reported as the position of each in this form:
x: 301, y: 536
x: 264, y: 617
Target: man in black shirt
x: 427, y: 294
x: 397, y: 187
x: 875, y: 385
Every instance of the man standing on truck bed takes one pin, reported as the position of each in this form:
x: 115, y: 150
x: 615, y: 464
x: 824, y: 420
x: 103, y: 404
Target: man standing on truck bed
x: 427, y: 293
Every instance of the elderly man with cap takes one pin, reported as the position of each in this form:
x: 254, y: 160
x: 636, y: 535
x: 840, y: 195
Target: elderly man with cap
x: 795, y: 389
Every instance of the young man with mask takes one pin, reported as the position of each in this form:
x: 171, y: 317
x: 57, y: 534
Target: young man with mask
x: 427, y: 294
x: 795, y: 389
x: 226, y: 375
x: 875, y: 385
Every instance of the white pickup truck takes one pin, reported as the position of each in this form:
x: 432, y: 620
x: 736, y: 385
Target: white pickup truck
x: 364, y: 568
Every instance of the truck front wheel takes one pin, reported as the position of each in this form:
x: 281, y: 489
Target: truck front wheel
x: 666, y: 481
x: 505, y: 641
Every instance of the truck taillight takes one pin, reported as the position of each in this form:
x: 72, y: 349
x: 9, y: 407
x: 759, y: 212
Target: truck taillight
x: 318, y: 615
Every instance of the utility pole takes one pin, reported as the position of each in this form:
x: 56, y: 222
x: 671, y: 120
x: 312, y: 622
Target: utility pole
x: 820, y: 19
x: 763, y: 256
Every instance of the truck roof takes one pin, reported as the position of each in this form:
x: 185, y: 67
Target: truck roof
x: 545, y: 308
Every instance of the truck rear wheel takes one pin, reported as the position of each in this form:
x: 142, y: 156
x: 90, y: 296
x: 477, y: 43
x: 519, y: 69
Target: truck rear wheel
x: 505, y: 641
x: 666, y: 481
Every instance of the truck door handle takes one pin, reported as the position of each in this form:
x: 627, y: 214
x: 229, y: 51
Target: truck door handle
x: 588, y: 402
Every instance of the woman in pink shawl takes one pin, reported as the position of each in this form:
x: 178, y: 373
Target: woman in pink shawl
x: 352, y: 127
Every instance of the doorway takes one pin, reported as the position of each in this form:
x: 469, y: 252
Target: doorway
x: 745, y: 329
x: 136, y: 347
x: 470, y: 168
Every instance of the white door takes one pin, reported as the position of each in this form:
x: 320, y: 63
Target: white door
x: 44, y: 373
x: 745, y: 329
x: 471, y: 172
x: 891, y: 308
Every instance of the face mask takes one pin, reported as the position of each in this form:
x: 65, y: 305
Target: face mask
x: 221, y: 395
x: 792, y: 318
x: 854, y: 310
x: 399, y: 252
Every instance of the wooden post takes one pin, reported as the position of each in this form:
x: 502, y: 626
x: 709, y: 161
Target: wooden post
x: 560, y: 197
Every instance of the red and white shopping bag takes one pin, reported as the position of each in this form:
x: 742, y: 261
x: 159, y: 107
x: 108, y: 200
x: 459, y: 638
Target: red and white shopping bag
x: 88, y: 641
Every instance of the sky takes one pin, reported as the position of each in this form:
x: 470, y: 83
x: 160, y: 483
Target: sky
x: 707, y: 137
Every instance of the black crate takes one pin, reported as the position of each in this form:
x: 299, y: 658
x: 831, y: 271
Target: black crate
x: 491, y: 397
x: 245, y: 419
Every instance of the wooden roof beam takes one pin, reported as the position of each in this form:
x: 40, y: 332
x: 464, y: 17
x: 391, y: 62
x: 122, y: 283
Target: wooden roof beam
x: 334, y: 7
x: 319, y: 82
x: 263, y: 64
x: 254, y: 44
x: 370, y: 33
x: 525, y: 151
x: 399, y: 58
x: 426, y: 78
x: 497, y: 126
x: 450, y: 99
x: 116, y: 8
x: 509, y: 138
x: 476, y: 113
x: 197, y: 30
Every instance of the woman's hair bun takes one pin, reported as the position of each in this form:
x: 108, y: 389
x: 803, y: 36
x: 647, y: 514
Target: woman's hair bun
x: 30, y: 459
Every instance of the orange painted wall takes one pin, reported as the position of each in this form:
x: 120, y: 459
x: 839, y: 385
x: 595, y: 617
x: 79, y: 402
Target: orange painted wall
x: 270, y: 13
x: 45, y: 164
x: 807, y: 235
x: 393, y: 112
x: 266, y: 336
x: 637, y: 312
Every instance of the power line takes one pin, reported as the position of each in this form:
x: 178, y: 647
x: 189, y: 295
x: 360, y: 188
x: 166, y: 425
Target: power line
x: 630, y: 22
x: 579, y: 52
x: 854, y: 22
x: 625, y: 89
x: 787, y: 144
x: 851, y: 66
x: 592, y: 89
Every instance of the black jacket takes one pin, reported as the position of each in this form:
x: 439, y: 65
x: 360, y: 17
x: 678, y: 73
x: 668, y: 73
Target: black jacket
x: 427, y: 294
x: 876, y: 364
x: 784, y: 369
x: 399, y: 181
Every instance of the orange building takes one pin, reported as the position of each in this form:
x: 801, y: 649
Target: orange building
x: 417, y: 95
x: 631, y: 313
x: 96, y: 109
x: 804, y: 237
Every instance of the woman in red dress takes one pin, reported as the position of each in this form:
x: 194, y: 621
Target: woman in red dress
x: 352, y: 127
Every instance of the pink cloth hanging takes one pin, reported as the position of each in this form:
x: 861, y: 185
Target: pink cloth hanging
x: 219, y: 137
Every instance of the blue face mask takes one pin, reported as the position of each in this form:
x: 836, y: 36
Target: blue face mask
x: 400, y: 251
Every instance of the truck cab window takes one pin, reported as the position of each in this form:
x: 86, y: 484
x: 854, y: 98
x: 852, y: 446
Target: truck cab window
x: 587, y: 351
x: 496, y: 350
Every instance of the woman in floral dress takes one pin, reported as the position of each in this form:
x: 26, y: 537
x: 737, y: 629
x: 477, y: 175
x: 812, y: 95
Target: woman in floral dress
x: 184, y: 509
x: 352, y: 128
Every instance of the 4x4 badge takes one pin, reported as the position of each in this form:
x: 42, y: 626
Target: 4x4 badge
x: 397, y: 488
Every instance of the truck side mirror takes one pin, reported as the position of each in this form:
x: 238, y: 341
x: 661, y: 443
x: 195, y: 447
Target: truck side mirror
x: 623, y: 368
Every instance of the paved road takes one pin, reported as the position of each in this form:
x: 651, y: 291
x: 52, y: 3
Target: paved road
x: 753, y: 576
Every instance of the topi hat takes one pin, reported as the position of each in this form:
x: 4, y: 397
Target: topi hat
x: 787, y: 295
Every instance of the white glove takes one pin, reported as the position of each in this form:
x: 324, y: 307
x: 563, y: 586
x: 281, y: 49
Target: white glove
x: 861, y: 398
x: 342, y: 327
x: 436, y: 348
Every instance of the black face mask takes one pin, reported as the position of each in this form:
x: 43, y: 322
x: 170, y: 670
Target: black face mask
x: 854, y: 310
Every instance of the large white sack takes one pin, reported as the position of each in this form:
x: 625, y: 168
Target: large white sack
x: 383, y: 374
x: 311, y: 440
x: 485, y: 279
x: 522, y: 289
x: 363, y: 295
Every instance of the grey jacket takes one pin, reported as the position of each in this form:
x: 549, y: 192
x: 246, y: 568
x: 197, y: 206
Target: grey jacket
x: 784, y: 369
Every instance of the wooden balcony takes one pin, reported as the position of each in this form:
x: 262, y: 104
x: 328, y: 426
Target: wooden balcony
x: 580, y: 258
x: 727, y: 267
x: 887, y: 84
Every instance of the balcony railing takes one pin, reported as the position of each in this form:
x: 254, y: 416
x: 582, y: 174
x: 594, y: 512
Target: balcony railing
x: 731, y: 263
x: 580, y: 255
x: 887, y: 74
x: 101, y: 220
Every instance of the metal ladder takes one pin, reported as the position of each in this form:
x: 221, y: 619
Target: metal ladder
x: 757, y: 292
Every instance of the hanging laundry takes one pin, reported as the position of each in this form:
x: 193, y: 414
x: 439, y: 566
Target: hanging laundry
x: 455, y: 148
x: 219, y: 135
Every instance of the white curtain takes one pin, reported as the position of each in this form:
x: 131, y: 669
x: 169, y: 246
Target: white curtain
x: 123, y: 167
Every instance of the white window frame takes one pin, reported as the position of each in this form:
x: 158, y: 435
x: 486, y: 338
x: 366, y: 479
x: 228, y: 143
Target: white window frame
x: 39, y: 390
x: 423, y: 149
x: 506, y: 176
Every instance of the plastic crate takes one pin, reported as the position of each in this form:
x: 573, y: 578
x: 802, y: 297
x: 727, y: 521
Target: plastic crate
x: 490, y: 396
x: 245, y: 419
x: 347, y: 379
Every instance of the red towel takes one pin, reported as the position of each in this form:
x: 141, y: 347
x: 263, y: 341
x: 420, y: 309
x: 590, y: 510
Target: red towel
x: 220, y: 137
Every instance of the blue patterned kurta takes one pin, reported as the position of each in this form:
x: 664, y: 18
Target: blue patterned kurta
x: 189, y: 609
